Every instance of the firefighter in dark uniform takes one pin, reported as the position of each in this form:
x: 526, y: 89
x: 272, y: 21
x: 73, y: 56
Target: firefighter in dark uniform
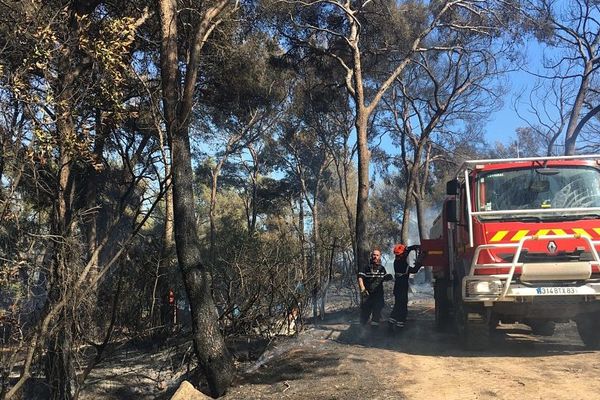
x: 402, y: 272
x: 370, y: 283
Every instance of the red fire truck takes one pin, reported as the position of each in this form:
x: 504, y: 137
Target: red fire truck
x: 517, y: 240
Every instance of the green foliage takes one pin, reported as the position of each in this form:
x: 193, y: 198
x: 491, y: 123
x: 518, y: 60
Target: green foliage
x: 241, y: 78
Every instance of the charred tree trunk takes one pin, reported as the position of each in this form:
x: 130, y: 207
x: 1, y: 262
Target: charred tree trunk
x: 209, y: 345
x: 328, y: 279
x: 60, y: 372
x: 214, y: 358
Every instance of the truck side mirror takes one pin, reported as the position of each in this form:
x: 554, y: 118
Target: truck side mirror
x: 452, y: 187
x: 451, y: 212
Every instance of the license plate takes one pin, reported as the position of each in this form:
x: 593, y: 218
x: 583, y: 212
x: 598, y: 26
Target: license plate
x: 556, y: 291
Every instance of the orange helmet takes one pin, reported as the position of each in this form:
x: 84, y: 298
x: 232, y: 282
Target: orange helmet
x: 399, y: 249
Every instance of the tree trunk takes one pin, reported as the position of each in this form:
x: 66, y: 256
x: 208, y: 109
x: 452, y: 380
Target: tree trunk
x: 420, y: 192
x: 167, y: 262
x: 344, y: 193
x: 362, y: 197
x: 212, y: 354
x: 328, y: 280
x: 406, y: 215
x: 211, y: 212
x: 572, y: 133
x: 91, y: 188
x: 412, y: 178
x: 168, y: 244
x: 59, y: 367
x: 316, y: 228
x: 409, y: 200
x: 252, y: 213
x: 302, y: 238
x: 316, y: 270
x: 60, y: 371
x: 214, y: 358
x: 423, y: 234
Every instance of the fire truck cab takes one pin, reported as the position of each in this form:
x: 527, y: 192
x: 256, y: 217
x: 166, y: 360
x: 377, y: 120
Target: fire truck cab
x: 517, y: 240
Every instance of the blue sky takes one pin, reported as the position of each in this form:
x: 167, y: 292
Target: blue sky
x: 503, y: 123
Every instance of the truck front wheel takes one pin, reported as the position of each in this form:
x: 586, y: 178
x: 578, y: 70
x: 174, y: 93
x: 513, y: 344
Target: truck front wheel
x: 473, y: 329
x: 588, y: 326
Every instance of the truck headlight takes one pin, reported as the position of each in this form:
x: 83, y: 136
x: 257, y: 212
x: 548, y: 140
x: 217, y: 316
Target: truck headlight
x: 483, y: 287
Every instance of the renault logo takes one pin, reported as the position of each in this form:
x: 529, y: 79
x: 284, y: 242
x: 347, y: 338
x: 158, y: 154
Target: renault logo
x: 552, y: 247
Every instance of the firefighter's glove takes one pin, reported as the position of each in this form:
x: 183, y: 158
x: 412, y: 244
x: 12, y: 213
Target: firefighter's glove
x: 415, y: 268
x: 388, y: 277
x: 364, y: 295
x: 417, y: 249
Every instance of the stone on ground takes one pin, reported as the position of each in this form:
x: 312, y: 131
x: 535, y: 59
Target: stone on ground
x: 187, y: 391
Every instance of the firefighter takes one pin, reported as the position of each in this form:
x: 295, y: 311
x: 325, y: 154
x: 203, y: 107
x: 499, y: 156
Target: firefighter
x: 370, y: 283
x: 402, y: 272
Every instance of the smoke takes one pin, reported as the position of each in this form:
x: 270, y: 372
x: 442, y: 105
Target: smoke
x: 430, y: 214
x: 423, y: 277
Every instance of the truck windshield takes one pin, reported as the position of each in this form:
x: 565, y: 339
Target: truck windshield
x: 539, y: 189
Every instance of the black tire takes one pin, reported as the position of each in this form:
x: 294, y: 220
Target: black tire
x: 542, y: 327
x: 442, y: 305
x: 474, y: 334
x: 588, y: 326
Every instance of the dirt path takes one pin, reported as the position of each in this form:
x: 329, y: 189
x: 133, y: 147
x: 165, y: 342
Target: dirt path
x: 340, y: 360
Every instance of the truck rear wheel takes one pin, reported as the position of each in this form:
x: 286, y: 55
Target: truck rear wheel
x: 442, y: 305
x: 588, y: 326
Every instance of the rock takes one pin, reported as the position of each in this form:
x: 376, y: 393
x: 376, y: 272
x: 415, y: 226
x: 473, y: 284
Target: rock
x: 188, y: 392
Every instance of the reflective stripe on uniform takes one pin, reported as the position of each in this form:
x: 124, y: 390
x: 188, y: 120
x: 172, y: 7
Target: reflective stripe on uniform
x: 372, y: 274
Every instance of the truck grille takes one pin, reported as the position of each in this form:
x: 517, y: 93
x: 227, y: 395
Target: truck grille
x: 527, y: 257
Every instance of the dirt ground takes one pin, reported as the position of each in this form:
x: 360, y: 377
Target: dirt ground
x: 339, y: 359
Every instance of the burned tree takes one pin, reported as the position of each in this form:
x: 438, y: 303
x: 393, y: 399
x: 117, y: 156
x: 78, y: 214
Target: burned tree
x: 178, y: 96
